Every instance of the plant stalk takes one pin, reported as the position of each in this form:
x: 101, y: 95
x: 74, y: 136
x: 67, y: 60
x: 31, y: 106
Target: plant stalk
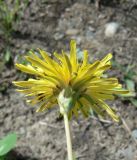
x: 68, y: 136
x: 65, y: 101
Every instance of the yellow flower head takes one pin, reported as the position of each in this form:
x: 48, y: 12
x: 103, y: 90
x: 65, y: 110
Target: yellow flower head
x: 82, y: 83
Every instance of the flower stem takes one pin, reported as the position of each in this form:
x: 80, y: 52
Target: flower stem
x: 64, y: 101
x: 68, y: 137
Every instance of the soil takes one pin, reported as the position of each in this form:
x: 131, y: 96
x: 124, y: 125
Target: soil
x: 50, y: 25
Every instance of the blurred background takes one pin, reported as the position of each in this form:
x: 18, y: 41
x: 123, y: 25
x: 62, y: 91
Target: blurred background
x: 100, y: 26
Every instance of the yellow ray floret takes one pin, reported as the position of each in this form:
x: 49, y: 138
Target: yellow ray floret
x: 89, y: 90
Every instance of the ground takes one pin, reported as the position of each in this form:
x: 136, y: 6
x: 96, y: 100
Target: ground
x: 50, y: 25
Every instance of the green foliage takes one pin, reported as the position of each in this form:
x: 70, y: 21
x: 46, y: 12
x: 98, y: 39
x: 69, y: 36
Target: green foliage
x: 6, y: 144
x: 7, y: 17
x: 7, y: 55
x: 10, y: 13
x: 129, y: 76
x: 3, y: 157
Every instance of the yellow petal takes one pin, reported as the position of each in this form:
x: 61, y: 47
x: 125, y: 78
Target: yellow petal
x: 73, y: 55
x: 108, y: 110
x: 106, y: 59
x: 28, y: 69
x: 35, y: 83
x: 88, y: 101
x: 85, y: 59
x: 45, y: 106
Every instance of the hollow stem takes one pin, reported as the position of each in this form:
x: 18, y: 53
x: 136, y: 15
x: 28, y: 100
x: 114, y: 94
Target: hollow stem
x: 64, y: 105
x: 68, y: 137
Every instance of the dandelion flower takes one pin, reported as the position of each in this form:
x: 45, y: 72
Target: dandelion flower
x: 82, y: 82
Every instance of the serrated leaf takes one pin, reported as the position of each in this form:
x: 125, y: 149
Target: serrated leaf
x: 7, y: 143
x: 130, y: 84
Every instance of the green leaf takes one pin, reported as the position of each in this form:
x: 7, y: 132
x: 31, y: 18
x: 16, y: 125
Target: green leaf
x: 134, y: 102
x: 7, y: 143
x: 130, y: 84
x: 3, y: 157
x: 130, y: 74
x: 7, y: 55
x: 128, y: 95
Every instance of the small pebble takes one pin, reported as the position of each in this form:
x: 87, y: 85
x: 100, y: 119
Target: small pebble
x: 111, y: 29
x: 72, y: 31
x: 58, y: 36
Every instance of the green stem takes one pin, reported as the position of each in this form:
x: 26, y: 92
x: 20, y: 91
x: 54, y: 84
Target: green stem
x: 64, y: 105
x: 68, y: 137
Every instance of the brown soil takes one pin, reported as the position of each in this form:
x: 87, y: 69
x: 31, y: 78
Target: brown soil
x: 50, y: 24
